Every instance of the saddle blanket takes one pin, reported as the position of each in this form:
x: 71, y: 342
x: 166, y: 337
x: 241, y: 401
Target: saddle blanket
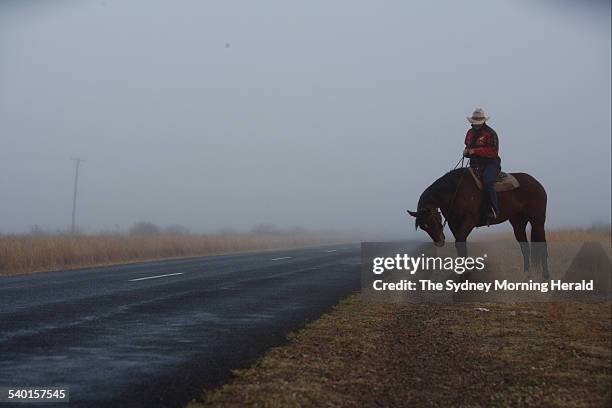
x: 505, y: 181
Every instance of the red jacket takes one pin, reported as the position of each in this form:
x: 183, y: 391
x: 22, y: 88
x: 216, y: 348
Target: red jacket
x: 483, y: 141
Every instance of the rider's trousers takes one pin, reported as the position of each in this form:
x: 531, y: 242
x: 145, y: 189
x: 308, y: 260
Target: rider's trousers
x: 489, y: 175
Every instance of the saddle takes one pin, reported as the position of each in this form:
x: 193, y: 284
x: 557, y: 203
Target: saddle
x: 504, y: 182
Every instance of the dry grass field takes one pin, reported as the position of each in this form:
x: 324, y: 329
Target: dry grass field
x: 32, y: 253
x: 602, y: 235
x: 26, y: 254
x: 581, y: 235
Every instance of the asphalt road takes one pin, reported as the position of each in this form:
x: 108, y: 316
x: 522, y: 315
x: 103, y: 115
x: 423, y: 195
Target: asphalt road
x: 153, y: 334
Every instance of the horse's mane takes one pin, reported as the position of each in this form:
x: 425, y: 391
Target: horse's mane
x: 440, y: 190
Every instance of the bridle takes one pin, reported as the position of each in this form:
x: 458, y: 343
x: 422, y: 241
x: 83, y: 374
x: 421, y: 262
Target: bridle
x: 435, y: 211
x: 432, y: 211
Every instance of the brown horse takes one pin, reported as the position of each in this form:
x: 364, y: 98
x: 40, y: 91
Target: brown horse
x: 458, y: 197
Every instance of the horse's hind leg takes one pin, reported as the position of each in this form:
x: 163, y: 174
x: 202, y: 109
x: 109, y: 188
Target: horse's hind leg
x: 539, y: 247
x: 519, y: 224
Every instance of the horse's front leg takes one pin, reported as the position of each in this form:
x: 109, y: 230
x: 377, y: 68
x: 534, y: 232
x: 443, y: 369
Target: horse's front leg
x: 461, y: 231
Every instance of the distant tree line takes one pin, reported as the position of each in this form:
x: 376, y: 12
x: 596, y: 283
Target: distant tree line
x: 148, y: 228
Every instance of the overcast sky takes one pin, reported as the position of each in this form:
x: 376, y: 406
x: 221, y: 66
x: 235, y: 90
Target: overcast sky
x: 313, y: 113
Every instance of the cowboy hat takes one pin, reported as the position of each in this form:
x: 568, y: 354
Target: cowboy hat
x: 478, y: 117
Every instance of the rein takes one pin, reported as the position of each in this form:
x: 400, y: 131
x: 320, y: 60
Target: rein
x: 450, y: 204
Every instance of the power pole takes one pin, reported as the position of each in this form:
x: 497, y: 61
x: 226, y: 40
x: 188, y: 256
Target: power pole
x: 74, y: 197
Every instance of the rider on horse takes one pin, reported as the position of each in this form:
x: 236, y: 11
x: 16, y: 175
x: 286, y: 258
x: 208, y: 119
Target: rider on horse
x: 460, y: 202
x: 482, y: 147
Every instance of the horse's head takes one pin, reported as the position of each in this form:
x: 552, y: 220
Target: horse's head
x: 430, y: 221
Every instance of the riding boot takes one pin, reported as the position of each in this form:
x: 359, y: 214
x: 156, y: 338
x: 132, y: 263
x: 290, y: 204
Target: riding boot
x: 494, y: 206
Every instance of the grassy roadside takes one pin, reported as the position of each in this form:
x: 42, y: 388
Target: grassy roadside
x: 398, y: 354
x: 28, y: 254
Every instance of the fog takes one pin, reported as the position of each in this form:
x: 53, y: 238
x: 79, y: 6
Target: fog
x: 315, y: 114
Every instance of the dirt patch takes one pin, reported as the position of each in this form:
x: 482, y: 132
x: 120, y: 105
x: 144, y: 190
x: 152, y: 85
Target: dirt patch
x: 398, y: 354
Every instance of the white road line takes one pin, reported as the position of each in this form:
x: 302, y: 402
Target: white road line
x: 332, y: 250
x: 282, y: 257
x: 155, y: 277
